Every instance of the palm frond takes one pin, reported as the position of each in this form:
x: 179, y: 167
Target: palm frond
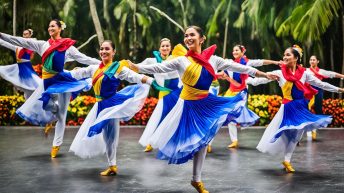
x: 310, y: 20
x: 212, y: 23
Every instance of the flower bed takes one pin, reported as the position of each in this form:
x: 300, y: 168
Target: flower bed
x: 266, y: 106
x: 8, y: 107
x: 334, y: 107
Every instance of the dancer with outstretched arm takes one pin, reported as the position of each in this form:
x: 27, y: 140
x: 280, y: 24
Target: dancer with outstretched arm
x: 42, y: 108
x: 197, y: 116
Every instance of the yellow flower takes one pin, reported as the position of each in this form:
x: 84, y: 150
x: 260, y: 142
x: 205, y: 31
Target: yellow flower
x: 256, y: 110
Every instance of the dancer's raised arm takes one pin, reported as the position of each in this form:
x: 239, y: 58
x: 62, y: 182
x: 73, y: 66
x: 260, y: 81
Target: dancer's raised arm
x: 28, y: 43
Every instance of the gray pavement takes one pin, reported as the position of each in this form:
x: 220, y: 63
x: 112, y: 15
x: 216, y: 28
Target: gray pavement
x: 26, y: 166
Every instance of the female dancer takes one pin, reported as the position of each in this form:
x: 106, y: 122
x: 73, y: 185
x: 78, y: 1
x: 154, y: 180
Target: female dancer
x: 111, y: 106
x: 169, y: 80
x: 238, y: 86
x: 318, y: 98
x: 42, y: 109
x: 21, y: 74
x: 293, y: 117
x: 195, y: 119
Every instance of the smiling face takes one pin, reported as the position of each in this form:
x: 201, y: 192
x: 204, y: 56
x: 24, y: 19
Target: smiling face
x: 289, y: 58
x: 26, y: 34
x: 106, y: 52
x: 313, y: 61
x: 165, y: 48
x: 237, y: 53
x: 193, y: 40
x: 54, y: 30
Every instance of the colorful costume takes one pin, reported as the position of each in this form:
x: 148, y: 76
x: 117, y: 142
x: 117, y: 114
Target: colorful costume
x: 317, y: 99
x: 55, y: 53
x: 214, y: 88
x: 247, y: 117
x: 197, y: 115
x: 100, y: 130
x: 166, y: 101
x: 21, y: 74
x: 293, y: 117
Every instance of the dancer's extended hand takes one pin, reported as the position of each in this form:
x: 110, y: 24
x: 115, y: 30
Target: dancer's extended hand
x: 272, y: 76
x: 133, y: 66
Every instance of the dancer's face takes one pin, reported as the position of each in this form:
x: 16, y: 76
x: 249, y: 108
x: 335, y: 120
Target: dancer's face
x: 313, y: 61
x: 192, y: 39
x: 237, y: 53
x: 165, y: 48
x: 54, y: 30
x: 26, y: 34
x: 106, y: 52
x: 289, y: 58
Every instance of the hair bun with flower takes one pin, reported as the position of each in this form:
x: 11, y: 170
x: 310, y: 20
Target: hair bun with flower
x: 298, y: 49
x: 242, y: 48
x: 63, y: 25
x: 31, y: 31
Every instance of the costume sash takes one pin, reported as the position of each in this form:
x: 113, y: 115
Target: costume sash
x: 243, y: 77
x: 203, y: 59
x: 24, y: 51
x: 60, y: 45
x: 157, y: 56
x: 308, y: 91
x: 317, y: 74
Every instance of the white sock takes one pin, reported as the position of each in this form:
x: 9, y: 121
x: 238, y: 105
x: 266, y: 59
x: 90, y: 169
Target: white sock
x: 198, y: 161
x: 233, y: 132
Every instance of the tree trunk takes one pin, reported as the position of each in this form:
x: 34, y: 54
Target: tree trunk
x: 14, y: 17
x: 96, y: 22
x: 14, y: 29
x: 106, y: 11
x: 225, y: 40
x: 184, y: 14
x: 341, y: 80
x: 331, y: 61
x: 135, y: 44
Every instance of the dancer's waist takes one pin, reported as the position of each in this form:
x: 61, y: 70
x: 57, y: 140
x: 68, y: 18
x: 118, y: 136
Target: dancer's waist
x: 191, y: 93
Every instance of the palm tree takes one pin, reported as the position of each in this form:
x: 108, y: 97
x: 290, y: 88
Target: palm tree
x: 309, y: 20
x: 96, y: 22
x: 14, y: 17
x: 133, y: 28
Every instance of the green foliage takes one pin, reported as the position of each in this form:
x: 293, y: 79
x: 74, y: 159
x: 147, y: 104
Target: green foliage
x: 310, y: 19
x: 265, y: 27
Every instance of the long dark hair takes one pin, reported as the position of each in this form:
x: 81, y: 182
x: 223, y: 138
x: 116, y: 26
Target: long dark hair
x: 296, y: 54
x: 110, y: 42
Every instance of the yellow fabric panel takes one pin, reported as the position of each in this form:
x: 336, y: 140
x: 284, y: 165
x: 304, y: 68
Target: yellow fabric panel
x: 192, y: 73
x: 163, y: 93
x: 311, y: 103
x: 230, y: 93
x: 179, y: 50
x: 190, y: 93
x: 98, y: 85
x: 46, y: 75
x: 286, y: 90
x: 125, y: 63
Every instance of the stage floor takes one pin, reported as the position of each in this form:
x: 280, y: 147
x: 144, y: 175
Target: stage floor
x: 26, y: 166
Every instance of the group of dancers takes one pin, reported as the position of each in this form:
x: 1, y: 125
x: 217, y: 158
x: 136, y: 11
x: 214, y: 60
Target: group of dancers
x: 189, y: 113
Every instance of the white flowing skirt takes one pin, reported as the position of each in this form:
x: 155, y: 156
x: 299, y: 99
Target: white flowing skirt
x: 87, y: 147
